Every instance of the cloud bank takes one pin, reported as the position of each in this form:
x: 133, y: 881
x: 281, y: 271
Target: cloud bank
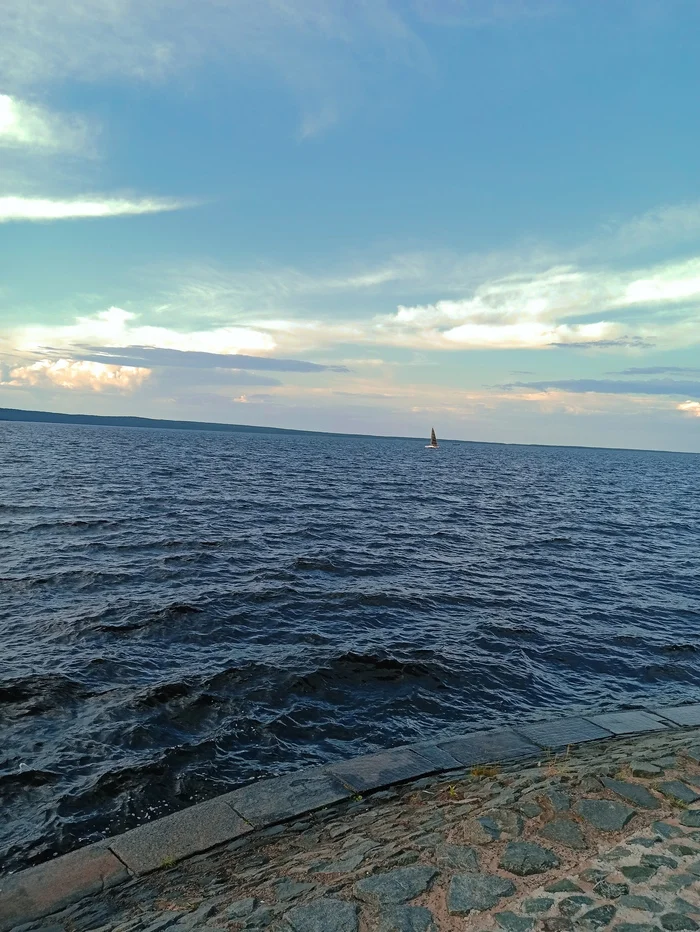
x: 161, y: 356
x: 614, y: 387
x: 75, y: 375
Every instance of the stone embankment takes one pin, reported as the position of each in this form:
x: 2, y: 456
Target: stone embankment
x: 597, y: 826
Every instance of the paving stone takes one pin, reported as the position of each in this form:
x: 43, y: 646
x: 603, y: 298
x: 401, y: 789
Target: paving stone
x: 260, y: 918
x: 599, y: 918
x: 291, y: 889
x: 666, y: 762
x: 605, y: 814
x: 479, y: 892
x: 241, y: 908
x: 529, y: 809
x: 178, y: 836
x: 342, y: 866
x: 642, y: 769
x: 193, y: 919
x: 513, y: 923
x: 285, y: 797
x: 658, y: 860
x: 538, y: 904
x: 676, y: 882
x: 487, y: 747
x: 524, y: 858
x: 498, y: 823
x: 643, y: 842
x: 459, y: 856
x: 683, y: 906
x: 560, y: 801
x: 590, y: 784
x: 396, y: 886
x: 644, y: 903
x: 572, y: 905
x: 674, y: 789
x: 559, y: 924
x: 479, y: 831
x: 682, y: 715
x: 563, y: 886
x: 565, y: 832
x: 637, y: 873
x: 324, y: 915
x: 355, y: 845
x: 430, y: 840
x: 691, y: 818
x: 677, y: 922
x: 611, y: 891
x: 56, y: 884
x: 164, y: 922
x: 628, y: 723
x: 407, y: 919
x: 666, y: 830
x: 561, y: 733
x: 632, y: 792
x: 593, y: 875
x: 435, y: 755
x: 682, y: 851
x: 636, y: 927
x: 373, y: 771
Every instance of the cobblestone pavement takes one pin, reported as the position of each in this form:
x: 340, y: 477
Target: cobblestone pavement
x: 604, y: 837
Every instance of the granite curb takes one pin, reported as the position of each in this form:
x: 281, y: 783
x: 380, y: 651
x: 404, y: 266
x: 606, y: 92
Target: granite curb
x: 41, y: 890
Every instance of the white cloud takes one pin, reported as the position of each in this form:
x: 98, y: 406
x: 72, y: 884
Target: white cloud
x: 39, y: 208
x: 25, y: 125
x: 668, y: 283
x: 116, y: 327
x: 77, y: 375
x: 690, y: 407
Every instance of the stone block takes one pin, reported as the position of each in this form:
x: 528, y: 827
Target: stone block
x: 373, y: 771
x: 435, y: 755
x: 178, y: 836
x: 485, y: 747
x: 562, y: 733
x: 281, y: 798
x: 49, y: 887
x: 681, y: 715
x: 628, y: 723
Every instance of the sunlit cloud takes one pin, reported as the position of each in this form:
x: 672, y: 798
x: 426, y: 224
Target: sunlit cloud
x: 690, y: 407
x: 76, y: 375
x: 29, y: 126
x: 39, y: 208
x: 117, y: 327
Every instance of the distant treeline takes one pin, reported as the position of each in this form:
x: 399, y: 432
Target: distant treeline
x: 99, y: 420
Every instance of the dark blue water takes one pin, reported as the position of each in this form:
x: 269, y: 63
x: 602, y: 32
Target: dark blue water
x: 182, y: 612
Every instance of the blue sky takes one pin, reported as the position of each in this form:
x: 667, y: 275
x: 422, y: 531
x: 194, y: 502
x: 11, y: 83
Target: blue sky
x: 363, y: 216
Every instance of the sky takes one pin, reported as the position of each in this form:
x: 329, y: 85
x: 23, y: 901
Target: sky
x: 371, y: 216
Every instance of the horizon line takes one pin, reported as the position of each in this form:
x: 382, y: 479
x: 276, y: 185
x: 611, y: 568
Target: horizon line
x: 150, y: 423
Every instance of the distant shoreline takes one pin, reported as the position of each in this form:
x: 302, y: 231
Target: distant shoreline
x: 113, y: 420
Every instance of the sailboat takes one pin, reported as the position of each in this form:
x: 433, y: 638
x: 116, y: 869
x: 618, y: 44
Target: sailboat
x: 433, y: 445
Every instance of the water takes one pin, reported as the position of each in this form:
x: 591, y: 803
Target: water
x: 182, y: 612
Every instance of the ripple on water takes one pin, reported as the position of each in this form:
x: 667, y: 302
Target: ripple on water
x: 183, y: 612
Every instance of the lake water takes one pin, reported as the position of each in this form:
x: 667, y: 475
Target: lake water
x: 181, y: 612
